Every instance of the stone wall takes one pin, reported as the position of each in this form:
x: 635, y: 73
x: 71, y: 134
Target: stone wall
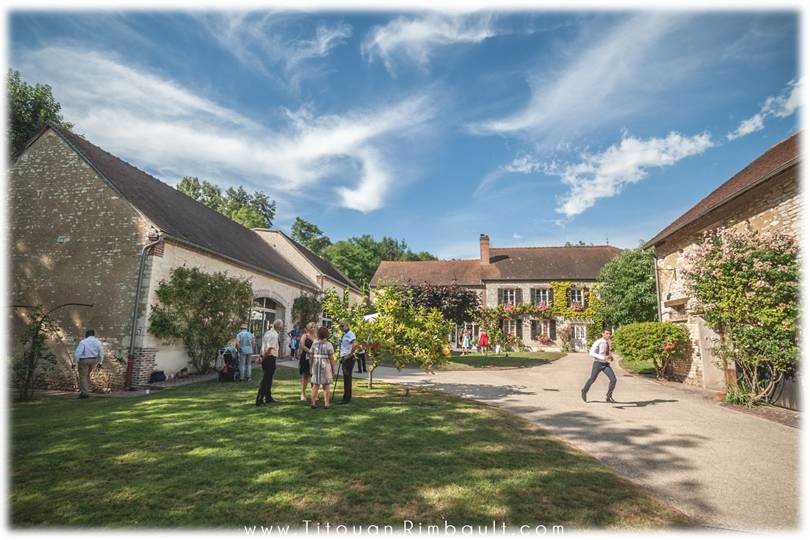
x: 72, y: 239
x: 774, y: 205
x: 171, y: 357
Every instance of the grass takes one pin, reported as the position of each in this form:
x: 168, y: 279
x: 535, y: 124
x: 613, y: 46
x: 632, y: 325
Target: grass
x: 643, y: 367
x: 458, y: 361
x: 203, y: 456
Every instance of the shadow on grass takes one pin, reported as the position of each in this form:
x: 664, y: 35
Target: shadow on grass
x: 203, y: 456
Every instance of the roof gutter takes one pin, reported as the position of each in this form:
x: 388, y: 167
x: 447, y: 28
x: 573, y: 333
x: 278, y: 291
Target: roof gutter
x: 130, y: 359
x: 782, y: 168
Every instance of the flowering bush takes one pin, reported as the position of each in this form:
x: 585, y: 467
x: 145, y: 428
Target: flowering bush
x: 542, y: 306
x: 544, y: 340
x: 565, y: 335
x: 576, y: 306
x: 746, y: 287
x: 655, y: 342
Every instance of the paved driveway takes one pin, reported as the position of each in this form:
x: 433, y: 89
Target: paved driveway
x: 726, y: 468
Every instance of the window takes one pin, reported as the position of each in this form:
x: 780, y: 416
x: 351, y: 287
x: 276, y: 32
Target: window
x: 509, y: 327
x: 578, y: 296
x: 542, y: 295
x: 327, y: 322
x: 508, y: 296
x: 264, y: 312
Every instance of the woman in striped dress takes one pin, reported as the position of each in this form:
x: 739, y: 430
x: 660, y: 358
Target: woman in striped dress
x: 322, y: 366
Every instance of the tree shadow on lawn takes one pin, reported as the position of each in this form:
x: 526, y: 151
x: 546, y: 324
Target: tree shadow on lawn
x: 205, y: 457
x: 639, y: 452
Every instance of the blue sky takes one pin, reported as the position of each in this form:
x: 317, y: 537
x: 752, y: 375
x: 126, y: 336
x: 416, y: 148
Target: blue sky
x: 536, y: 127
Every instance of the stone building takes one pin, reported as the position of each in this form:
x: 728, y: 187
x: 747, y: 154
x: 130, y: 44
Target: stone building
x: 764, y: 196
x: 513, y: 275
x: 88, y: 227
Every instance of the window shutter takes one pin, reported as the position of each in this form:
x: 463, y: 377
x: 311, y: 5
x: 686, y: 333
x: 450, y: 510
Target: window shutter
x: 519, y: 328
x: 584, y: 297
x: 550, y: 296
x: 532, y: 296
x: 552, y: 329
x: 569, y: 297
x: 533, y: 329
x: 518, y: 296
x: 500, y: 296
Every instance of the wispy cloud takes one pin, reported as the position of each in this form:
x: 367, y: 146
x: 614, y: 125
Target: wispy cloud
x: 600, y: 83
x: 605, y: 174
x: 169, y: 129
x: 781, y: 105
x: 416, y: 38
x: 271, y: 42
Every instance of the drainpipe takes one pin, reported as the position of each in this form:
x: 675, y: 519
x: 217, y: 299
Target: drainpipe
x: 130, y: 358
x: 657, y: 287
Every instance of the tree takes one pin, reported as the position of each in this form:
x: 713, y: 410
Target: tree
x: 203, y: 310
x: 399, y: 330
x: 746, y: 287
x: 255, y: 210
x: 359, y: 256
x: 306, y: 308
x: 628, y: 288
x: 29, y: 108
x: 456, y: 303
x: 310, y: 235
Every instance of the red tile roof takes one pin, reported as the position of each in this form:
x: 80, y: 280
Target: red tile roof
x: 523, y: 263
x: 777, y: 158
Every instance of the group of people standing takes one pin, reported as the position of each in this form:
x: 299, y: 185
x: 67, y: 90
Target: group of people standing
x: 316, y: 360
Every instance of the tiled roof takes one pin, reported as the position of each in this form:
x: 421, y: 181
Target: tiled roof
x: 549, y: 263
x: 530, y: 263
x: 465, y: 272
x: 180, y: 216
x: 323, y: 265
x: 761, y: 169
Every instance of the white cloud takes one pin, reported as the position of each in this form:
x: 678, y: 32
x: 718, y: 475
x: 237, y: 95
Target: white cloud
x: 605, y: 174
x: 604, y: 80
x: 416, y: 38
x: 264, y: 41
x: 164, y: 127
x: 524, y: 164
x: 781, y: 105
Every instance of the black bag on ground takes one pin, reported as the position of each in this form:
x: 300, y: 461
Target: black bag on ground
x: 157, y: 376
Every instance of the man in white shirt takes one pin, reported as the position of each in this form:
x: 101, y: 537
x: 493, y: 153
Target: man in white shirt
x: 348, y: 344
x: 269, y: 352
x: 246, y: 343
x: 602, y: 357
x: 88, y: 354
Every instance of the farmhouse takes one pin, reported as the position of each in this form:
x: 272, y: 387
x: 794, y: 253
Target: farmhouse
x: 514, y: 275
x: 87, y: 227
x: 764, y: 196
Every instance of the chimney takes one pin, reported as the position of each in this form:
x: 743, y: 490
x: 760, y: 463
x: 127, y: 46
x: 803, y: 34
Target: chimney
x: 484, y: 240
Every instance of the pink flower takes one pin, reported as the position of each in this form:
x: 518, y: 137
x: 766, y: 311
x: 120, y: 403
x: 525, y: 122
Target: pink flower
x: 668, y: 346
x: 508, y: 307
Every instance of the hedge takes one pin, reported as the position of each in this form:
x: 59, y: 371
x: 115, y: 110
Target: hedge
x: 656, y: 342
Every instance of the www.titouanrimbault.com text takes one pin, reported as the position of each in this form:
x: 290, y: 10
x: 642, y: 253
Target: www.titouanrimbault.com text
x: 407, y: 527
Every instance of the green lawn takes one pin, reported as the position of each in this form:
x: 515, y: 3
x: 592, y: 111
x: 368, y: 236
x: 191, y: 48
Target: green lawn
x: 457, y: 361
x: 203, y: 456
x: 642, y: 367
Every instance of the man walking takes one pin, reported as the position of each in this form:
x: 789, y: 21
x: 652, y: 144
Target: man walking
x: 246, y: 342
x: 269, y: 352
x: 348, y: 344
x: 602, y: 357
x: 89, y: 353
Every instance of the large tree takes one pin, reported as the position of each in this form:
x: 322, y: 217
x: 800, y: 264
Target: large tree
x: 30, y: 106
x: 456, y: 303
x: 310, y: 235
x: 359, y: 256
x: 253, y: 210
x: 628, y: 288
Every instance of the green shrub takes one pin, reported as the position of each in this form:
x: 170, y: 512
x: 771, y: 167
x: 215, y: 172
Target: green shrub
x: 656, y: 342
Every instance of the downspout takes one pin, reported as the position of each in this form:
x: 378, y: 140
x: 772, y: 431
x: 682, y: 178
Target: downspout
x: 657, y: 287
x: 130, y: 358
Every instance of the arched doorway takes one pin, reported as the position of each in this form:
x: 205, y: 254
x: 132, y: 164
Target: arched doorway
x: 265, y: 310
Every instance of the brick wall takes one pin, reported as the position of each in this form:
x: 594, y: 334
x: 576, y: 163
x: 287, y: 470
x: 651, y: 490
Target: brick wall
x: 72, y: 239
x: 775, y: 205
